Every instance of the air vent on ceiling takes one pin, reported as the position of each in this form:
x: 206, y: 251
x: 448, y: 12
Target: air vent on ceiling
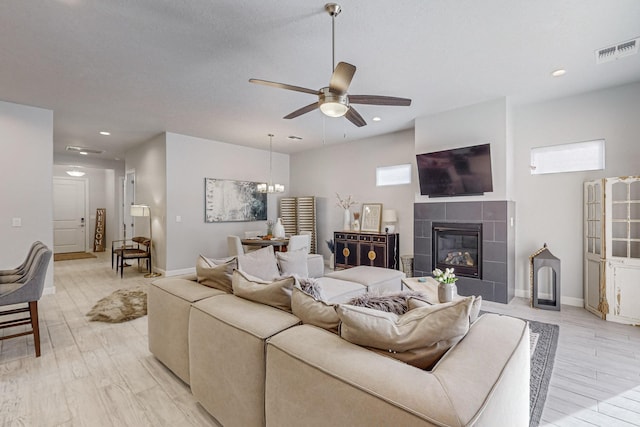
x: 83, y: 149
x: 620, y: 50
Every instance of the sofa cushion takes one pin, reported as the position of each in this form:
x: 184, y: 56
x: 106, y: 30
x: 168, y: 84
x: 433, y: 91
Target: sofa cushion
x: 216, y: 273
x: 419, y: 337
x: 276, y: 293
x: 293, y: 262
x: 417, y: 301
x: 314, y: 311
x: 260, y: 263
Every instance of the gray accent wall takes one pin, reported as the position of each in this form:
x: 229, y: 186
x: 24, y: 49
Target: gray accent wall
x: 498, y: 244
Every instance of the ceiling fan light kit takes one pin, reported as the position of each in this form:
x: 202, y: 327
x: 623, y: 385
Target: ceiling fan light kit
x: 334, y: 100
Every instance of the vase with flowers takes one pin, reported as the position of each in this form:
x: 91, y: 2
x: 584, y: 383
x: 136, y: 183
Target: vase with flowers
x: 346, y: 203
x: 332, y: 258
x: 447, y: 288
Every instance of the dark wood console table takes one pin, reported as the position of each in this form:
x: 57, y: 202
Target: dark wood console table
x: 373, y: 249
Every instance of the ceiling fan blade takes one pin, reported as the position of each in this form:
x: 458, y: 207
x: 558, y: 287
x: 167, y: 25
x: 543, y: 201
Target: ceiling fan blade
x: 354, y: 117
x: 379, y: 100
x: 341, y: 77
x: 302, y: 111
x: 284, y: 86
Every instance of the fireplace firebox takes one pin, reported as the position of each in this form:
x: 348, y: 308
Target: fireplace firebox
x: 458, y: 246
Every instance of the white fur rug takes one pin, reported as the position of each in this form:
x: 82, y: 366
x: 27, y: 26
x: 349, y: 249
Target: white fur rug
x: 121, y: 306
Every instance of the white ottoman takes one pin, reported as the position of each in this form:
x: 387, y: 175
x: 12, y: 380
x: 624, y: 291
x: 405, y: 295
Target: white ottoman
x: 375, y: 279
x: 338, y: 291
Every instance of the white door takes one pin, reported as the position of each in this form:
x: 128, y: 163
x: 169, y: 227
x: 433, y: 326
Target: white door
x: 623, y: 248
x: 69, y: 215
x: 594, y: 278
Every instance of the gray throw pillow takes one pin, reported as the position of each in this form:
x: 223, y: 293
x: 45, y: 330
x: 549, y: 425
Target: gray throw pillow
x: 293, y: 262
x: 419, y: 337
x: 260, y: 263
x: 216, y: 273
x: 314, y: 311
x: 276, y: 293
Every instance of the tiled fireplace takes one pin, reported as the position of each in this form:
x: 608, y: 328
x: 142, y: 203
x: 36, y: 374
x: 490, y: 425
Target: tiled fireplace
x: 475, y: 238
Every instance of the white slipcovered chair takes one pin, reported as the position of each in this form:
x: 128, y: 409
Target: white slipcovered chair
x: 299, y: 241
x: 234, y: 245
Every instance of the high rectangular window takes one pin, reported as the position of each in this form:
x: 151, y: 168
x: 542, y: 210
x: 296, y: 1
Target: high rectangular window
x: 393, y: 175
x: 577, y: 156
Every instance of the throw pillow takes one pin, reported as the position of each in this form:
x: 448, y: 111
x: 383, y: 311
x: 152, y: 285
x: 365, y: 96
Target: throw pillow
x: 416, y: 302
x: 216, y: 273
x: 390, y: 302
x: 314, y: 311
x: 419, y: 337
x: 276, y: 293
x: 293, y: 262
x: 260, y: 263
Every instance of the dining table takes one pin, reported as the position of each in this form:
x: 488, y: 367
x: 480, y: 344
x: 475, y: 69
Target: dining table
x: 279, y: 244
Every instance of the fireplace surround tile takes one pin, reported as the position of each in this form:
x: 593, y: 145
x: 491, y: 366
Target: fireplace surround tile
x: 494, y: 251
x: 498, y: 276
x: 463, y: 211
x: 494, y: 211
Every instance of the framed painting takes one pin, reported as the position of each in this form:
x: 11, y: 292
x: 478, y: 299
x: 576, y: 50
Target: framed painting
x: 233, y: 201
x: 371, y: 217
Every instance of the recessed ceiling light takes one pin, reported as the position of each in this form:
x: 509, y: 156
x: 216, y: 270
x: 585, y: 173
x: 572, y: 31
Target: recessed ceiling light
x: 559, y: 72
x: 105, y: 133
x: 376, y: 119
x: 294, y: 138
x: 84, y: 153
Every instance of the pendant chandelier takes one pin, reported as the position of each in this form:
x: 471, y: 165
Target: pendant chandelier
x: 270, y: 187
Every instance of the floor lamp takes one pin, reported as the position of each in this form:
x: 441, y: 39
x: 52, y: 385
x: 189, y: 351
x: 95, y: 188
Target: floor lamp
x: 144, y: 210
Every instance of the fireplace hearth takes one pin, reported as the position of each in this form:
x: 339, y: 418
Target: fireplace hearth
x: 458, y: 246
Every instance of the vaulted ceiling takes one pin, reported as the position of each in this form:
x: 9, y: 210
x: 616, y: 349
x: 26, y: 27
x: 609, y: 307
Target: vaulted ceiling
x: 139, y: 68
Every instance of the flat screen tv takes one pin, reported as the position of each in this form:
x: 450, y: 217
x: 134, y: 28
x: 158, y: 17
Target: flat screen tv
x: 462, y: 171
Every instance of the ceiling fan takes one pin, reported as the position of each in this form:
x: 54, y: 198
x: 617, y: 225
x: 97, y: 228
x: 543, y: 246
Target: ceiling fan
x: 334, y: 101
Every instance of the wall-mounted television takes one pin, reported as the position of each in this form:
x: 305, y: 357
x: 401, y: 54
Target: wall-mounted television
x: 462, y: 171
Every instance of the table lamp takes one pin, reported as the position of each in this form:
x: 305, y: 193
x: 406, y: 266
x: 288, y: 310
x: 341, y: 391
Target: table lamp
x: 389, y: 217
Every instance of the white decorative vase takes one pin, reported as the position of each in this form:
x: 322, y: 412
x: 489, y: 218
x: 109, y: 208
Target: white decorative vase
x: 346, y: 224
x: 278, y: 229
x: 332, y: 261
x: 446, y: 292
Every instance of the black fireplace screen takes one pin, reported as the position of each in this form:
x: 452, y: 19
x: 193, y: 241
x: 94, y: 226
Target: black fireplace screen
x: 458, y: 246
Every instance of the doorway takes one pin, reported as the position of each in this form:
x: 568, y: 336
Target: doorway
x: 129, y: 199
x: 69, y: 215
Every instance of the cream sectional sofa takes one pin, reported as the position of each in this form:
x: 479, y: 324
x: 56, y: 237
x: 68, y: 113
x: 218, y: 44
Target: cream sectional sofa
x: 251, y: 364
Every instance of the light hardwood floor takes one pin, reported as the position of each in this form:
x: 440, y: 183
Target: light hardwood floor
x: 96, y: 374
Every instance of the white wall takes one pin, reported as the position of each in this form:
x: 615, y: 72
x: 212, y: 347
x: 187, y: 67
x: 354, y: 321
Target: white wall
x: 189, y: 161
x: 472, y: 125
x: 150, y: 164
x: 351, y: 169
x: 26, y: 142
x: 549, y: 207
x: 102, y: 194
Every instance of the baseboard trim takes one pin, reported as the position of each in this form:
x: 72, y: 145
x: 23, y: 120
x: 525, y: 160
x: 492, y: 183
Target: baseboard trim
x: 182, y: 271
x: 49, y: 290
x: 574, y: 302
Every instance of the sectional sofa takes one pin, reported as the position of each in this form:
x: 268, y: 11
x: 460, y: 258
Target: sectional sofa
x: 254, y: 364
